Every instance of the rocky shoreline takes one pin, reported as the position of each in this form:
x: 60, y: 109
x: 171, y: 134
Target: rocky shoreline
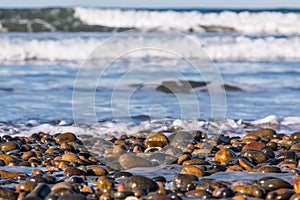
x: 261, y: 164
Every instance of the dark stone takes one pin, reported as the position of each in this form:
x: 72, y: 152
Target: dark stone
x: 140, y: 182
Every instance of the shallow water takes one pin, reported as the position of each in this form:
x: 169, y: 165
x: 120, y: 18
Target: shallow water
x: 38, y: 70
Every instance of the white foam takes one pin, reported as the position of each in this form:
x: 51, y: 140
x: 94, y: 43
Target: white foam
x: 117, y: 129
x: 217, y: 48
x: 269, y: 120
x: 246, y: 22
x: 290, y: 121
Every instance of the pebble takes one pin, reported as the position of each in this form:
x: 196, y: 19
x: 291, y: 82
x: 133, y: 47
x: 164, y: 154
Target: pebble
x: 69, y: 157
x: 223, y: 155
x: 98, y: 170
x: 255, y: 155
x: 254, y: 145
x: 251, y: 190
x: 280, y: 194
x: 190, y: 169
x: 272, y: 183
x: 71, y: 171
x: 265, y: 133
x: 128, y: 161
x: 156, y: 140
x: 269, y: 169
x: 185, y: 181
x: 295, y: 136
x: 65, y: 137
x: 8, y: 194
x: 9, y: 146
x: 6, y: 158
x: 162, y: 159
x: 140, y: 182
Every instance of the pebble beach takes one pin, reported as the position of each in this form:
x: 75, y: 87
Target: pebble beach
x: 149, y: 103
x: 173, y: 164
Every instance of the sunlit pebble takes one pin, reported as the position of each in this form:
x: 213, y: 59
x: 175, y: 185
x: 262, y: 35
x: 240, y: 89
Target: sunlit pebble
x: 136, y: 149
x: 296, y: 184
x: 121, y: 187
x: 160, y: 184
x: 285, y: 137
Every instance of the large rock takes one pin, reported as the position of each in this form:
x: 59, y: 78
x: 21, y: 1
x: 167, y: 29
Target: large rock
x: 128, y: 161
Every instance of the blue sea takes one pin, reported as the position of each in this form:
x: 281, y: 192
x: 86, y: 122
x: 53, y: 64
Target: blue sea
x: 148, y: 69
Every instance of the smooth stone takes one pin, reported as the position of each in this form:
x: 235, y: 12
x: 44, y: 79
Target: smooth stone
x: 198, y: 193
x: 28, y: 154
x: 66, y: 147
x: 8, y: 194
x: 264, y: 133
x: 9, y: 146
x: 195, y: 162
x: 140, y: 183
x: 128, y: 161
x: 288, y: 164
x: 268, y: 151
x: 122, y: 174
x: 72, y: 197
x: 223, y: 155
x: 7, y: 174
x: 254, y: 145
x: 284, y: 155
x: 183, y: 158
x: 62, y: 185
x: 105, y: 183
x: 185, y: 181
x: 256, y: 155
x: 269, y: 169
x: 61, y: 191
x: 190, y: 169
x: 36, y: 179
x: 98, y: 170
x: 122, y: 195
x: 223, y: 193
x: 244, y: 163
x: 295, y: 147
x: 249, y: 138
x: 65, y: 137
x: 282, y: 194
x: 295, y: 136
x: 25, y: 187
x: 156, y: 139
x: 75, y: 179
x: 162, y: 158
x: 6, y: 158
x: 180, y: 139
x: 295, y: 196
x: 234, y: 168
x: 251, y: 190
x: 272, y: 183
x: 41, y: 191
x: 71, y: 171
x: 272, y: 145
x: 70, y: 157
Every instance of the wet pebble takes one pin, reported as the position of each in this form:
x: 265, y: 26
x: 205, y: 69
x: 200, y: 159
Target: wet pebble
x: 223, y: 155
x: 128, y: 161
x: 185, y: 181
x: 251, y: 190
x: 140, y: 182
x: 65, y: 137
x: 192, y: 170
x: 71, y: 171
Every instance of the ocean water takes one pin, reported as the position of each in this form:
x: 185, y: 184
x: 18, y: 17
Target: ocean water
x: 65, y: 68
